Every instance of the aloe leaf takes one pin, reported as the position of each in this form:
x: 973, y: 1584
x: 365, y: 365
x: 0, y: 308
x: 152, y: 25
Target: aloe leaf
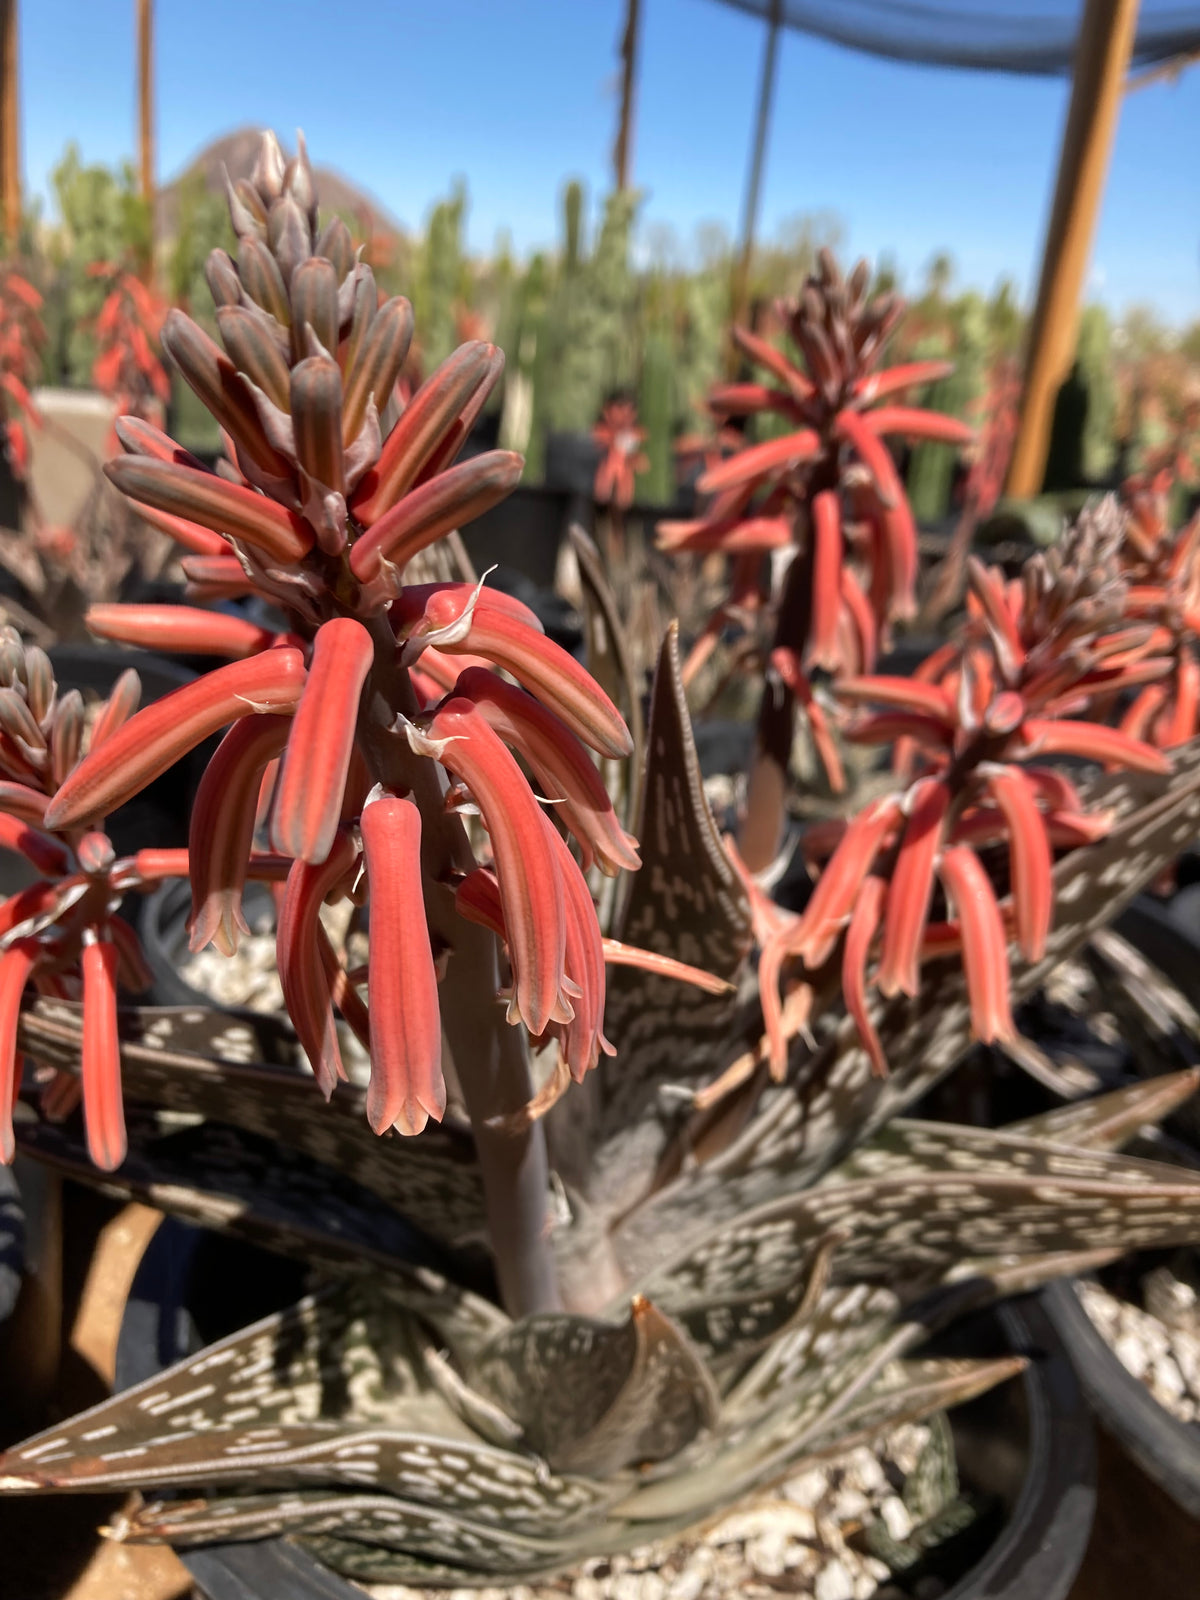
x: 835, y: 1100
x: 1109, y: 1120
x: 910, y: 1391
x: 609, y: 659
x: 595, y: 1396
x: 954, y: 1200
x: 383, y: 1521
x: 243, y: 1070
x: 686, y: 902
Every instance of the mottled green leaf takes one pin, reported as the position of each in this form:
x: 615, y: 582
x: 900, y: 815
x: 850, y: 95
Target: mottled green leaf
x: 1109, y: 1120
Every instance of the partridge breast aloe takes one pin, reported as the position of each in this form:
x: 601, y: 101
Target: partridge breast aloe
x: 728, y: 1269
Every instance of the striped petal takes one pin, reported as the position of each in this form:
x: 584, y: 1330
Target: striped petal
x: 221, y: 832
x: 759, y: 460
x: 186, y: 628
x: 213, y: 502
x: 534, y: 916
x: 51, y: 858
x: 307, y: 986
x: 894, y: 379
x: 103, y: 1109
x: 16, y: 964
x: 860, y: 935
x: 451, y: 499
x: 911, y: 889
x: 542, y: 666
x: 1029, y: 858
x: 561, y: 766
x: 584, y: 962
x: 984, y: 947
x: 308, y: 797
x: 1092, y: 741
x: 406, y: 1086
x: 823, y: 648
x: 154, y: 739
x: 912, y: 423
x: 838, y: 887
x: 427, y: 419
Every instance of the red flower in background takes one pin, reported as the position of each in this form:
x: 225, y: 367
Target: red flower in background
x: 127, y: 329
x: 622, y: 439
x: 22, y: 336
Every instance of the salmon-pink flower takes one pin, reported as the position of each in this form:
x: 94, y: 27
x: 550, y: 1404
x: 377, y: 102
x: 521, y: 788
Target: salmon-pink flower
x: 621, y: 439
x: 312, y: 780
x: 458, y: 735
x: 184, y: 628
x: 559, y: 763
x: 307, y: 987
x: 104, y: 1115
x: 500, y: 635
x: 406, y: 1087
x: 222, y: 829
x: 159, y: 735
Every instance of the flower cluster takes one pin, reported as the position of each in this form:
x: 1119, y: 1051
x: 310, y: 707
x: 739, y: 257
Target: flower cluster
x: 621, y: 438
x: 22, y: 336
x: 63, y: 933
x: 127, y: 327
x: 827, y: 488
x: 975, y: 732
x: 1164, y: 590
x: 363, y: 728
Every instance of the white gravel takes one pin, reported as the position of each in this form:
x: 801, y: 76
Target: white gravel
x: 1160, y: 1346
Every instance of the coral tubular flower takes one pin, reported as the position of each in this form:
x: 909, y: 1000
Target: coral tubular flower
x: 1092, y: 741
x: 16, y: 965
x: 452, y: 497
x: 983, y: 943
x: 307, y: 987
x: 104, y: 1115
x: 46, y: 854
x: 159, y: 735
x: 406, y: 1086
x: 911, y: 888
x: 214, y: 503
x: 618, y: 434
x: 583, y: 1035
x: 561, y: 766
x: 222, y: 829
x: 542, y: 666
x: 838, y: 887
x: 534, y: 915
x: 185, y: 628
x: 423, y: 426
x: 860, y: 936
x: 1029, y: 858
x: 312, y: 782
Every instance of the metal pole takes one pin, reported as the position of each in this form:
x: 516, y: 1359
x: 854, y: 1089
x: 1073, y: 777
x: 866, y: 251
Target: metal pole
x: 766, y: 91
x: 629, y: 42
x: 1105, y: 45
x: 10, y: 125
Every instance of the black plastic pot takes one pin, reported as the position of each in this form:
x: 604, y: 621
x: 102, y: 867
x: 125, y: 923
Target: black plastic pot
x: 523, y: 532
x: 1029, y: 1446
x: 161, y: 918
x: 1167, y: 1450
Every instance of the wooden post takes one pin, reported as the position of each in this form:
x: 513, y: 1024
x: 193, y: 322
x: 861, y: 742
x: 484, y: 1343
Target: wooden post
x: 145, y: 41
x: 629, y: 42
x: 766, y: 91
x: 1106, y: 36
x: 10, y: 125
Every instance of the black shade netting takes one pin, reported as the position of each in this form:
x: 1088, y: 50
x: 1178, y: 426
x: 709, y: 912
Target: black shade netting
x: 1023, y: 36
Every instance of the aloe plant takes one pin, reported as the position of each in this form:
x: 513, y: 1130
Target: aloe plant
x: 699, y: 1280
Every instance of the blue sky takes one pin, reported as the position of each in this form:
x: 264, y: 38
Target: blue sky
x: 516, y: 96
